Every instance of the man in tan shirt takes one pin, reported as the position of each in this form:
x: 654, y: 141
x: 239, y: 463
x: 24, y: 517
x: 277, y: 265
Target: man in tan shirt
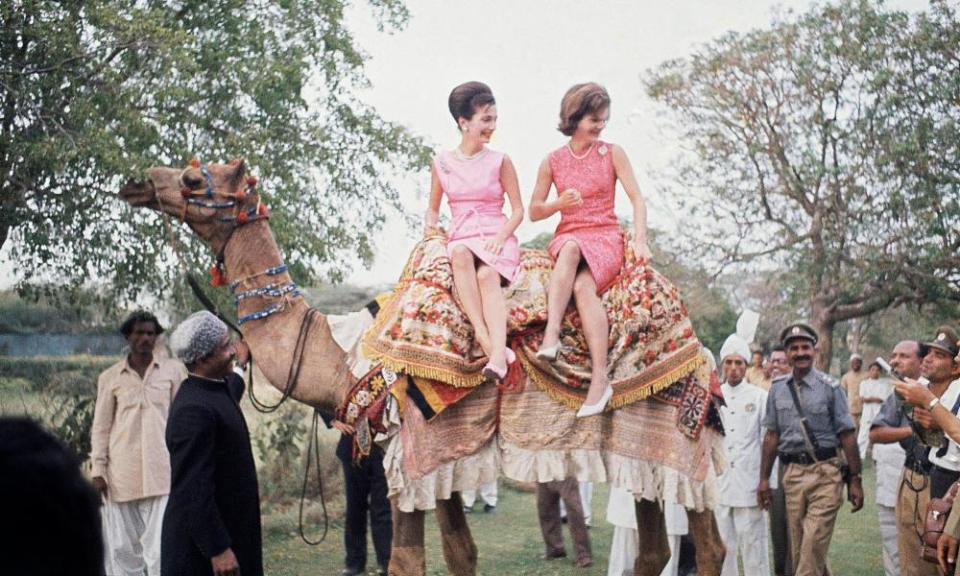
x: 755, y: 374
x: 851, y: 385
x: 131, y: 465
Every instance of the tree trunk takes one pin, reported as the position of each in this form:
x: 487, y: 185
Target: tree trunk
x: 821, y: 322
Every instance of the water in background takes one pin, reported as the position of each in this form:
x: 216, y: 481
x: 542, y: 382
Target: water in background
x: 61, y: 344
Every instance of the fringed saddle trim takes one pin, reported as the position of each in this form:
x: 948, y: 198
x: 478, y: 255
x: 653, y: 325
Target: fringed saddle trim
x: 639, y: 387
x: 447, y: 376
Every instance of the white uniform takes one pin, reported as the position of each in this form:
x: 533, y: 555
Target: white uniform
x: 488, y: 491
x: 870, y: 388
x: 621, y: 512
x: 739, y: 518
x: 950, y: 460
x: 889, y: 459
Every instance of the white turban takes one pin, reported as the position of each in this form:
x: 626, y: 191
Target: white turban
x: 735, y: 345
x: 197, y: 336
x: 739, y: 342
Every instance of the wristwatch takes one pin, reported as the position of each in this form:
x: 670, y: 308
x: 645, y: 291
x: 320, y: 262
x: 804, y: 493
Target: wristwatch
x: 933, y: 403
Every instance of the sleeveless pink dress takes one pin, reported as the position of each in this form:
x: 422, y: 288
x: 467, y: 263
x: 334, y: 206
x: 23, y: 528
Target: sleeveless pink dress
x: 476, y: 196
x: 592, y: 225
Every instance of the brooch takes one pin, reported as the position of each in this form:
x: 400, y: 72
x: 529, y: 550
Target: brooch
x: 603, y: 150
x: 750, y: 407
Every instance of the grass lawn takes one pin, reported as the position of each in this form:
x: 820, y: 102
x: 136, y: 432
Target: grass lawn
x: 509, y: 541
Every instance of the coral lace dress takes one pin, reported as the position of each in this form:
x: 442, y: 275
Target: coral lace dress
x: 593, y: 224
x: 475, y: 195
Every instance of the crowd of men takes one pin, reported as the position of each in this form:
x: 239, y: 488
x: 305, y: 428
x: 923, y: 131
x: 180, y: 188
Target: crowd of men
x: 795, y: 439
x: 174, y: 470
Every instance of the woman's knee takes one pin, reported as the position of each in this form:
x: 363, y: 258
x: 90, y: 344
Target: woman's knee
x: 569, y: 253
x: 487, y: 276
x: 461, y: 256
x: 584, y: 286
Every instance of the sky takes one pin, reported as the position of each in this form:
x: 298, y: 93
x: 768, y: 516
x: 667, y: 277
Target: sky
x: 530, y: 52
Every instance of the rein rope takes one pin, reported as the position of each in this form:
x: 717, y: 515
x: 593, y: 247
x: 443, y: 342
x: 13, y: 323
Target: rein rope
x: 286, y: 292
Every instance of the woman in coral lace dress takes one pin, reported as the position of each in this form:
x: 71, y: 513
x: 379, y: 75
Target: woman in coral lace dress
x: 483, y: 250
x: 587, y: 246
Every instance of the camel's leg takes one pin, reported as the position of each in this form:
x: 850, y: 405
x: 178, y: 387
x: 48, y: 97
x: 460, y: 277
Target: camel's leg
x: 706, y: 539
x: 459, y: 550
x: 654, y: 549
x: 407, y: 555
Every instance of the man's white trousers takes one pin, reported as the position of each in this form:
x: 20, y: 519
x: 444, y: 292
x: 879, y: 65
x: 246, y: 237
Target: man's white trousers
x: 743, y: 530
x: 131, y: 533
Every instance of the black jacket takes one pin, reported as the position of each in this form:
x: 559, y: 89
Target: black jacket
x: 214, y: 499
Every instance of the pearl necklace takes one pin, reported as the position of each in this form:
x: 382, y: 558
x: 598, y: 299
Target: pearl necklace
x: 582, y: 156
x: 460, y: 155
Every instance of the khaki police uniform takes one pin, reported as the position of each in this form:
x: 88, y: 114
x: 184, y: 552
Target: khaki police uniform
x: 812, y: 482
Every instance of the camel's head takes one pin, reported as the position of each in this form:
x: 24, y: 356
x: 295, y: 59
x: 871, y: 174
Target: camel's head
x: 213, y: 199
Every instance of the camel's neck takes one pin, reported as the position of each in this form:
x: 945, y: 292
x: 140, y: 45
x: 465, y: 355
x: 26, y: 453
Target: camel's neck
x: 323, y: 373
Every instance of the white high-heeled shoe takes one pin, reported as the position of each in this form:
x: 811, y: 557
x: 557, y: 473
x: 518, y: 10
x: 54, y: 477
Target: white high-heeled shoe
x: 494, y: 372
x: 591, y: 409
x: 549, y: 353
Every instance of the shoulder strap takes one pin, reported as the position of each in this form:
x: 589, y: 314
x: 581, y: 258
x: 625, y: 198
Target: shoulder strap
x: 810, y: 441
x: 942, y: 451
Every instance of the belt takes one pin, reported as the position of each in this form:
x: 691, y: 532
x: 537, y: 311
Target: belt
x: 914, y: 464
x: 820, y: 454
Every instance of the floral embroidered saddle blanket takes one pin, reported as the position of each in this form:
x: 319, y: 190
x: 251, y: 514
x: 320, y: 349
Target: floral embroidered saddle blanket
x: 423, y: 332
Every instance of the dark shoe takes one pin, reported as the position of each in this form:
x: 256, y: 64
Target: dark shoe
x: 488, y: 508
x: 584, y: 562
x: 351, y: 572
x: 555, y: 555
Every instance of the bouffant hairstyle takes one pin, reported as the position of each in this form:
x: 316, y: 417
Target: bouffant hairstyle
x: 467, y: 98
x: 139, y: 316
x: 580, y: 100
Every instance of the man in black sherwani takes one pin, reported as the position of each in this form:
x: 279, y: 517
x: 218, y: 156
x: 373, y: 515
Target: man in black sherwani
x: 212, y: 520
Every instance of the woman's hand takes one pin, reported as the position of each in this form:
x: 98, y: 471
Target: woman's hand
x: 568, y: 199
x: 642, y: 250
x: 494, y: 245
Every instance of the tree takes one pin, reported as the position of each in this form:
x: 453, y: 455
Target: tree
x: 95, y: 92
x: 825, y: 148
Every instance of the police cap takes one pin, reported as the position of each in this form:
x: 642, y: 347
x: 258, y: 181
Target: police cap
x: 798, y: 330
x: 945, y: 339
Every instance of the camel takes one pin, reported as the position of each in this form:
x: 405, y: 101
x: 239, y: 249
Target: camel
x: 220, y: 204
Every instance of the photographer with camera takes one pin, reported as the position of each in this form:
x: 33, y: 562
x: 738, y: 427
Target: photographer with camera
x: 892, y: 431
x: 941, y: 367
x: 936, y: 406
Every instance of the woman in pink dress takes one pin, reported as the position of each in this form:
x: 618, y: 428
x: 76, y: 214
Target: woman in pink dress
x: 587, y: 246
x: 483, y: 250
